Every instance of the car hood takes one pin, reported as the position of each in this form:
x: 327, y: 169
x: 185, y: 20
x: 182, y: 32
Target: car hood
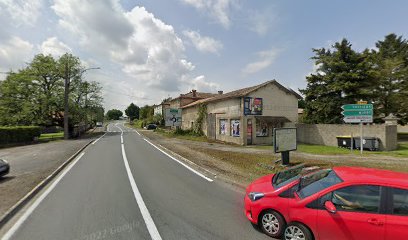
x: 262, y: 184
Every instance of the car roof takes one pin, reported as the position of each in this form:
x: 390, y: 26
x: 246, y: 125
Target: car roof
x: 371, y: 175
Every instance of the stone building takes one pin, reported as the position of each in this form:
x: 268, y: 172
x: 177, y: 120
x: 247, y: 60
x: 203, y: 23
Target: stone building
x: 185, y: 99
x: 246, y: 116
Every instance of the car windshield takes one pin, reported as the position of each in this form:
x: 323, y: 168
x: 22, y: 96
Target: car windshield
x: 316, y: 182
x: 287, y: 176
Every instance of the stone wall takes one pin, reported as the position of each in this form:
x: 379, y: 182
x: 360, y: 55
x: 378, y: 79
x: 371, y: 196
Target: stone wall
x: 403, y: 129
x: 325, y: 134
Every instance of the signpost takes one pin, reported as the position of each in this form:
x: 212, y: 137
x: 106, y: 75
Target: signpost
x: 358, y: 113
x: 284, y: 141
x: 173, y: 117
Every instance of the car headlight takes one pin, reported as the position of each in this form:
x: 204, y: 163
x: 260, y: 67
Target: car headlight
x: 255, y: 196
x: 4, y: 161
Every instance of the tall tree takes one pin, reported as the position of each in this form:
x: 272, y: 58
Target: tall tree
x: 132, y: 111
x: 147, y: 112
x: 389, y: 66
x: 341, y: 78
x: 114, y: 114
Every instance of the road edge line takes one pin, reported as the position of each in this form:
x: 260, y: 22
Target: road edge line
x: 10, y: 232
x: 180, y: 162
x: 30, y: 195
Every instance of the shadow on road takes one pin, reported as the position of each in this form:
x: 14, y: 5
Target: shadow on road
x: 6, y: 179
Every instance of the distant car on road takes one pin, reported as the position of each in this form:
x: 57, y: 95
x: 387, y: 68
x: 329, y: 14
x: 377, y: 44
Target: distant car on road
x: 99, y: 124
x: 150, y: 126
x: 4, y: 167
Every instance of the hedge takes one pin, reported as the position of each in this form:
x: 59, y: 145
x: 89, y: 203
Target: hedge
x: 18, y: 134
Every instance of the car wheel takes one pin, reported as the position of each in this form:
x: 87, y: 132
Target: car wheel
x: 297, y: 231
x: 272, y: 223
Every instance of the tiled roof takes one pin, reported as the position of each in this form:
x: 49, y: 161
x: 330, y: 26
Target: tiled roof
x: 241, y: 93
x: 198, y: 95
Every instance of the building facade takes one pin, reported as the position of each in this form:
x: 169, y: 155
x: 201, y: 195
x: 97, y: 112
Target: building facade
x: 246, y: 116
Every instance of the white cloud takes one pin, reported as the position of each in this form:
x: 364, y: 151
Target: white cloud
x: 201, y: 84
x: 22, y: 12
x: 219, y: 10
x: 202, y: 43
x: 261, y: 21
x: 54, y: 47
x: 14, y: 53
x: 265, y: 59
x: 146, y: 49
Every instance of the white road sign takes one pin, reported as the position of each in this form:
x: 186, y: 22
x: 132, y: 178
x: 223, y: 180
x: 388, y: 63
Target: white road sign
x: 284, y: 139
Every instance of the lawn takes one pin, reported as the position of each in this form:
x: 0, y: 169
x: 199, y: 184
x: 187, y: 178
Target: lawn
x: 51, y: 136
x: 402, y: 150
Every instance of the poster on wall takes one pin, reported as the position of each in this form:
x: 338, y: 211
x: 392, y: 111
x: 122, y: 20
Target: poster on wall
x: 262, y: 129
x: 252, y: 106
x: 223, y: 124
x: 235, y: 128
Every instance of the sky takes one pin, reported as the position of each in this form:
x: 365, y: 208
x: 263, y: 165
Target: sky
x: 149, y: 50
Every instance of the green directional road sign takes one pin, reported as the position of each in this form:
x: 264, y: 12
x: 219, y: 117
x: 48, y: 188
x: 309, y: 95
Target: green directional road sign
x: 357, y: 112
x: 357, y: 107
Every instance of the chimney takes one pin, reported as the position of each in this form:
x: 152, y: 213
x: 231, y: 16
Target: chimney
x: 194, y: 93
x: 220, y: 92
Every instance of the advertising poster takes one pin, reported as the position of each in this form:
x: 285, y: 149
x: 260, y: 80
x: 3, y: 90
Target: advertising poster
x: 252, y: 106
x: 223, y: 126
x: 262, y: 129
x: 235, y: 128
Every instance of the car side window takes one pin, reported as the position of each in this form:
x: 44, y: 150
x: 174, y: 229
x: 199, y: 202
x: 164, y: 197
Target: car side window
x: 319, y: 203
x: 400, y: 201
x: 360, y: 198
x: 289, y: 193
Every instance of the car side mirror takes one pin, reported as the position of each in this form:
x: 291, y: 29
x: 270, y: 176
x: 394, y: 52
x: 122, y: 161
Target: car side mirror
x: 330, y: 207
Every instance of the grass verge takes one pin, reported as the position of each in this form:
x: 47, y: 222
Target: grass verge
x: 51, y: 136
x: 402, y: 150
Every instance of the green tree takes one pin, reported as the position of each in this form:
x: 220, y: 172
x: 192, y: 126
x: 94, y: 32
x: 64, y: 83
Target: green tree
x: 147, y: 112
x: 114, y: 114
x: 34, y: 95
x: 132, y: 111
x: 341, y: 77
x: 389, y: 67
x: 17, y: 100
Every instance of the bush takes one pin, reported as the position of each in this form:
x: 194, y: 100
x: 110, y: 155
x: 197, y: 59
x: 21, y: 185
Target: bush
x: 188, y: 132
x: 18, y: 134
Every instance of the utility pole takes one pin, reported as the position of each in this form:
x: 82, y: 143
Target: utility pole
x: 66, y: 102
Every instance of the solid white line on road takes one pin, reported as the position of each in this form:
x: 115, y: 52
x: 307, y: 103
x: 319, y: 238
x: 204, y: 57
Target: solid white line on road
x: 137, y: 132
x: 180, y: 162
x: 37, y: 202
x: 93, y: 143
x: 151, y: 227
x: 121, y: 138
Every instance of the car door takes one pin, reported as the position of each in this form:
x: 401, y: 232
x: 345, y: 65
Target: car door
x: 397, y: 220
x: 357, y: 216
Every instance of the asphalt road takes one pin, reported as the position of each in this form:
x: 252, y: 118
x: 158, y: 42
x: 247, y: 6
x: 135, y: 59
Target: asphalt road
x: 123, y: 187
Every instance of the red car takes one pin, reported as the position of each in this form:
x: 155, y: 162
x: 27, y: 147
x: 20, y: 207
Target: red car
x: 346, y: 203
x: 351, y: 203
x: 267, y: 199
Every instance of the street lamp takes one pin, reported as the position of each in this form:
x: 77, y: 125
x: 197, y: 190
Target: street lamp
x: 67, y: 83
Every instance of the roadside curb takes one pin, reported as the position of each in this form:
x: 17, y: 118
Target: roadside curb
x: 23, y: 201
